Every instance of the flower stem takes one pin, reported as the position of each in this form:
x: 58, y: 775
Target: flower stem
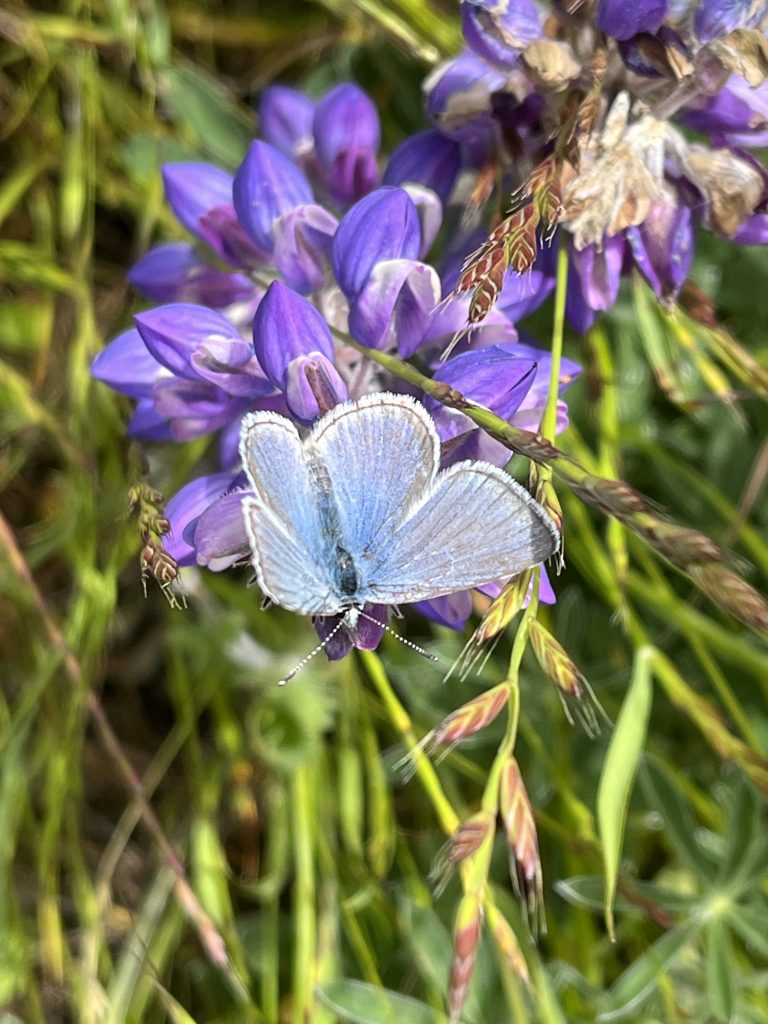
x: 549, y: 419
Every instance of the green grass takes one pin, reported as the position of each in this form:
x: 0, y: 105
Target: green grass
x: 180, y: 839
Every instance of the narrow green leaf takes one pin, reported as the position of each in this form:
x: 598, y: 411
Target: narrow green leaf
x: 588, y: 891
x: 360, y: 1003
x: 619, y: 771
x: 749, y: 922
x: 721, y: 970
x: 746, y: 847
x: 637, y: 983
x: 665, y: 798
x: 207, y: 110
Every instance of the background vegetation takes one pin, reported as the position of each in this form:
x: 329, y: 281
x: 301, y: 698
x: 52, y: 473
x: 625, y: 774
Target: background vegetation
x: 306, y: 847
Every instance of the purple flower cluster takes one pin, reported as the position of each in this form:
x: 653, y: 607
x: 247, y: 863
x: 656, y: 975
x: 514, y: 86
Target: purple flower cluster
x: 305, y: 245
x: 631, y: 187
x: 310, y: 242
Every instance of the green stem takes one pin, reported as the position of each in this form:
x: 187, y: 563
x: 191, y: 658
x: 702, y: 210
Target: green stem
x: 305, y: 920
x: 449, y: 819
x: 549, y: 419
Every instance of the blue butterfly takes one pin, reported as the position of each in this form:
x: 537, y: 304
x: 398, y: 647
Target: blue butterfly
x: 357, y: 512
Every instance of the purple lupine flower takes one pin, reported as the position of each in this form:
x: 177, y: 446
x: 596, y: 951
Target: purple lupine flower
x: 285, y: 117
x: 175, y: 273
x: 383, y: 226
x: 195, y: 342
x: 598, y: 270
x: 287, y: 326
x: 220, y: 229
x: 266, y: 186
x: 313, y: 385
x: 459, y: 96
x: 716, y: 18
x: 303, y: 239
x: 395, y: 305
x: 662, y: 247
x: 429, y: 158
x: 127, y: 365
x: 737, y: 115
x: 498, y: 30
x: 146, y: 423
x: 220, y: 539
x: 194, y: 189
x: 623, y: 19
x: 347, y: 135
x: 185, y: 507
x: 495, y: 377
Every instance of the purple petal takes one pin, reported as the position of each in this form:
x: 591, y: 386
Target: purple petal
x: 287, y: 326
x: 430, y: 211
x: 383, y: 226
x: 580, y: 315
x: 220, y: 538
x: 175, y: 273
x: 450, y: 317
x: 192, y: 189
x: 499, y: 29
x: 347, y: 134
x: 623, y: 19
x: 267, y: 184
x: 147, y: 424
x: 127, y: 365
x: 521, y: 294
x: 286, y: 116
x: 716, y: 18
x: 754, y: 231
x: 738, y: 112
x: 303, y: 243
x: 222, y: 231
x: 185, y: 506
x: 451, y: 611
x: 395, y: 306
x: 233, y: 368
x: 428, y: 158
x: 313, y: 387
x: 173, y: 334
x: 495, y: 377
x: 458, y: 96
x: 598, y: 271
x: 195, y: 407
x: 663, y: 248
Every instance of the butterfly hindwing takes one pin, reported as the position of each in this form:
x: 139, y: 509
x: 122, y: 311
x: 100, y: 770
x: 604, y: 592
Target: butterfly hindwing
x: 283, y: 517
x: 474, y: 525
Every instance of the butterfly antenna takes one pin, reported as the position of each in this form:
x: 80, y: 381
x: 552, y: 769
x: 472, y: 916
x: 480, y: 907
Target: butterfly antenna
x: 408, y: 643
x: 312, y: 653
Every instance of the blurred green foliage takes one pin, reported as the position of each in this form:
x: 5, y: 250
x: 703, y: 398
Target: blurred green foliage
x: 308, y: 849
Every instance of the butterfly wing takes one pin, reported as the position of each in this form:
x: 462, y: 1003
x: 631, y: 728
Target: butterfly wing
x: 378, y: 457
x: 283, y: 519
x: 473, y: 526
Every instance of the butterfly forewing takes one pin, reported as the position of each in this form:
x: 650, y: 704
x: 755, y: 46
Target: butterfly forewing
x: 379, y: 456
x: 290, y: 549
x: 475, y: 525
